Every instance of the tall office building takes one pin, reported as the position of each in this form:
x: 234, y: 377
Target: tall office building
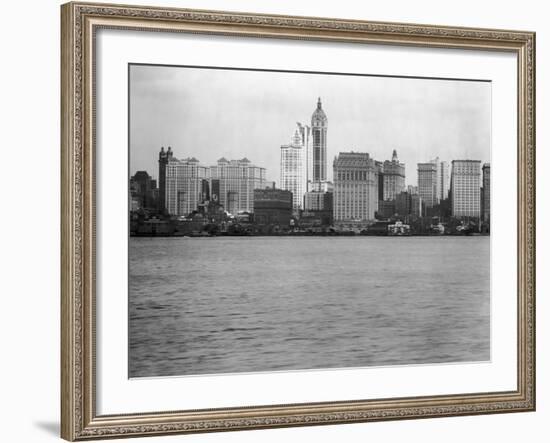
x: 444, y: 180
x: 164, y: 158
x: 319, y: 125
x: 465, y: 188
x: 394, y: 177
x: 442, y: 185
x: 355, y: 186
x: 437, y: 165
x: 486, y: 194
x: 184, y: 185
x: 292, y: 170
x: 236, y: 180
x: 379, y: 167
x: 307, y: 155
x: 427, y: 184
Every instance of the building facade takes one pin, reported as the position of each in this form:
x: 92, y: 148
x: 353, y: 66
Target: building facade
x: 408, y: 203
x: 428, y: 183
x: 318, y: 201
x: 324, y: 186
x: 273, y: 207
x: 164, y: 158
x: 319, y: 126
x: 443, y: 180
x: 355, y: 187
x: 292, y: 170
x: 393, y: 177
x: 236, y: 182
x: 307, y: 155
x: 465, y: 188
x: 143, y: 191
x: 403, y: 204
x: 318, y: 208
x: 386, y: 209
x: 184, y: 185
x: 417, y: 205
x: 379, y: 166
x: 486, y: 194
x: 442, y: 184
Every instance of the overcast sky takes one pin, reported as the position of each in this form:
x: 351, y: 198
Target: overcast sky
x: 213, y: 113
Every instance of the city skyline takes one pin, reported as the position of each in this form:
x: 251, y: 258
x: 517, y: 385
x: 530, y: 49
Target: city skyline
x: 439, y: 190
x: 364, y: 190
x: 444, y: 118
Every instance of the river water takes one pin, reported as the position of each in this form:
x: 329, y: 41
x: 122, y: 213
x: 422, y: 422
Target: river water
x: 246, y: 304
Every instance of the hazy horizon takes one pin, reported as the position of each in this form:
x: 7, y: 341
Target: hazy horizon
x: 209, y: 113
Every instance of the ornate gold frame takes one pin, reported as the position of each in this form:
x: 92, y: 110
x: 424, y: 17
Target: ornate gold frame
x: 79, y: 420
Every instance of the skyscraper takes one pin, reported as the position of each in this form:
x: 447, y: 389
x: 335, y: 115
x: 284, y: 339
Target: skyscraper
x: 379, y: 167
x: 486, y: 200
x: 444, y: 179
x: 442, y: 185
x: 355, y: 186
x: 184, y: 185
x: 319, y: 125
x: 307, y: 155
x: 437, y: 165
x: 237, y: 180
x: 394, y: 177
x: 427, y: 183
x: 292, y: 170
x: 465, y: 188
x: 164, y: 157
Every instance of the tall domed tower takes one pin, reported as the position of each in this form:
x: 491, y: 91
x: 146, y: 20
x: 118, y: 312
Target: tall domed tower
x: 319, y: 125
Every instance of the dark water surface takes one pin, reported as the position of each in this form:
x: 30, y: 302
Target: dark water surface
x: 245, y: 304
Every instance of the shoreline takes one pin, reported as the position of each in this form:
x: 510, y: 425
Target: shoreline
x: 327, y: 234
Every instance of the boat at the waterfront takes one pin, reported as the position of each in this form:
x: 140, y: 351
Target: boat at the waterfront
x: 378, y: 228
x: 199, y: 234
x: 437, y: 229
x: 399, y: 229
x: 465, y: 229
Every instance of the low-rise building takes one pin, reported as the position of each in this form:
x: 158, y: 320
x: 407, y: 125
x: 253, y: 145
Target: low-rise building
x: 318, y: 206
x: 273, y: 207
x: 143, y: 191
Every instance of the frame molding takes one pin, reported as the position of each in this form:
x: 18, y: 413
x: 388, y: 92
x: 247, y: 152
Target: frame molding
x: 79, y: 21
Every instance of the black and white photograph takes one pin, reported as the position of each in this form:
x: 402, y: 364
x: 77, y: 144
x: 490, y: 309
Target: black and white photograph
x: 289, y: 220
